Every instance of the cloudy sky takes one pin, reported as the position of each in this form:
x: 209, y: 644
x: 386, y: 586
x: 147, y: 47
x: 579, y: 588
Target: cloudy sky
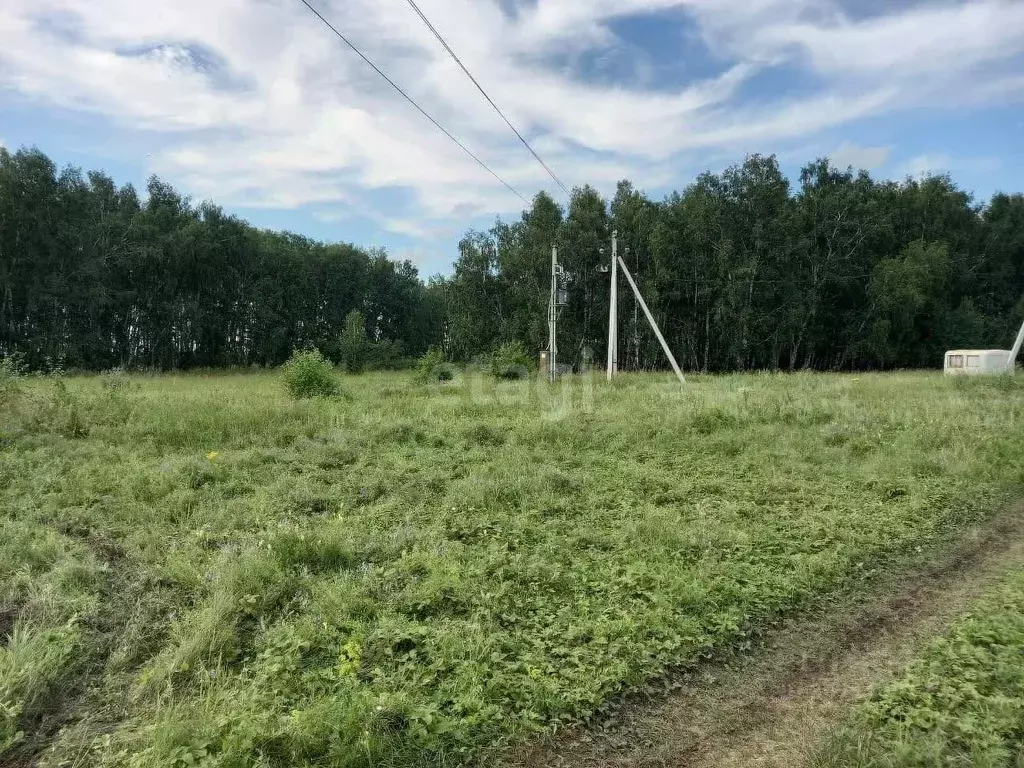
x: 258, y: 106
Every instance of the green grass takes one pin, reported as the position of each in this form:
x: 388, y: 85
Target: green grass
x: 960, y: 704
x: 199, y: 570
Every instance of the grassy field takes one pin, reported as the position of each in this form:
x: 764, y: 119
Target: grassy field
x: 960, y: 704
x: 196, y: 570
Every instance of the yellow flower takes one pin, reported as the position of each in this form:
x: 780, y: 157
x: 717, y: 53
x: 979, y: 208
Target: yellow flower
x: 212, y: 455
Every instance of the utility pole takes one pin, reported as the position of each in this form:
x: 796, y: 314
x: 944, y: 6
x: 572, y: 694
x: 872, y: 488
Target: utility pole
x: 558, y: 299
x: 553, y: 317
x: 613, y: 315
x: 613, y: 311
x: 1016, y: 350
x: 636, y: 324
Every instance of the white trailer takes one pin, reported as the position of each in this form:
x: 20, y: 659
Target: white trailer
x: 973, y: 362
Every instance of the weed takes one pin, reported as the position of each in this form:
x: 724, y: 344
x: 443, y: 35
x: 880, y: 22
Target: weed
x: 11, y: 372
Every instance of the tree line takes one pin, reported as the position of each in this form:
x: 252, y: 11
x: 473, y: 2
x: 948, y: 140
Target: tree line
x: 744, y: 272
x: 741, y: 270
x: 93, y: 277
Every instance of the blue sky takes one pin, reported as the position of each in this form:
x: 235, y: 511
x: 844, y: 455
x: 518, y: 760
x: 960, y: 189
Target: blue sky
x: 254, y: 104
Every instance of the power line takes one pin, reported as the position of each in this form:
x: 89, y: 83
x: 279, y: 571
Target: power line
x: 409, y: 98
x: 480, y: 88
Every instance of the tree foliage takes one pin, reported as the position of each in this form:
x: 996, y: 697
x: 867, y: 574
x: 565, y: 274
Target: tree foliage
x: 510, y: 361
x: 744, y: 272
x: 354, y: 344
x: 741, y: 269
x: 92, y: 276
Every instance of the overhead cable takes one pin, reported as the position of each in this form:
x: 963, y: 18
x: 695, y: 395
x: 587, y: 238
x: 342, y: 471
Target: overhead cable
x: 412, y: 101
x: 490, y: 101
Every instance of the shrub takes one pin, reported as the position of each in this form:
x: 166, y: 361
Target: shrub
x: 432, y: 367
x: 12, y: 366
x: 309, y: 374
x: 355, y: 348
x: 387, y: 355
x: 511, y: 362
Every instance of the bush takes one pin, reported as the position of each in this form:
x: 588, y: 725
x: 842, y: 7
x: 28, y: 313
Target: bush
x: 387, y: 355
x: 355, y: 348
x: 63, y: 413
x: 309, y: 374
x: 12, y: 366
x: 432, y: 367
x: 511, y: 362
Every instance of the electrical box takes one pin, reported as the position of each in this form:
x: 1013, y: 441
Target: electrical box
x: 975, y: 362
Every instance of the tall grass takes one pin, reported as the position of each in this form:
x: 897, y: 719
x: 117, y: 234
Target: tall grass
x: 421, y: 572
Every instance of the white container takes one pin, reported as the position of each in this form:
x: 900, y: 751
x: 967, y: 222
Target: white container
x: 974, y: 362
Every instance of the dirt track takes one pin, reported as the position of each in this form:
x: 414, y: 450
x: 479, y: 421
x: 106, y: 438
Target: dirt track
x: 774, y: 709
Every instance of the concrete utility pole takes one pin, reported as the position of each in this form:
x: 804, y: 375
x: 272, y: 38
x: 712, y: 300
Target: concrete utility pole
x: 1016, y: 350
x: 553, y: 318
x: 654, y: 325
x: 613, y: 311
x: 613, y: 314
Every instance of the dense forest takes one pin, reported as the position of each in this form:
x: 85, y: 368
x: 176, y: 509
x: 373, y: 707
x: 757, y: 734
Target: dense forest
x: 93, y: 277
x: 741, y: 270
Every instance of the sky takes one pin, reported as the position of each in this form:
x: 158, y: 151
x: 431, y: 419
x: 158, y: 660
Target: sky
x: 257, y: 106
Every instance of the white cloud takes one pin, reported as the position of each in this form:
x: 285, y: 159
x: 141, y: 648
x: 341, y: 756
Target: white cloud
x: 924, y: 165
x: 254, y: 102
x: 426, y: 260
x: 931, y: 164
x: 919, y: 40
x: 867, y: 158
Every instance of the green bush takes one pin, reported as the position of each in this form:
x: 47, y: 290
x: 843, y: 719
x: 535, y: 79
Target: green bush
x: 511, y: 362
x: 62, y: 413
x: 12, y: 366
x: 309, y: 374
x: 387, y: 355
x: 355, y: 348
x: 115, y: 380
x: 432, y: 367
